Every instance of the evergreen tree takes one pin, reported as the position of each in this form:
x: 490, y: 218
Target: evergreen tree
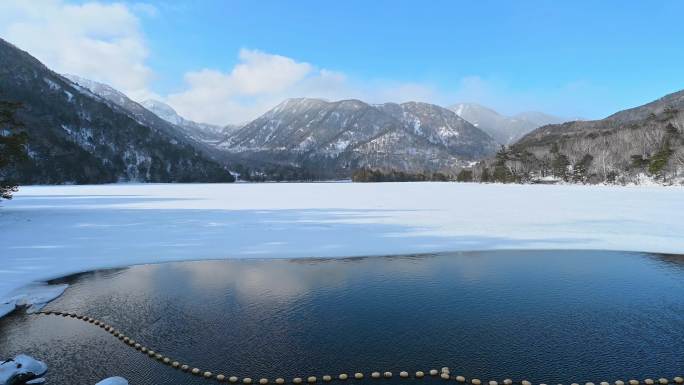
x: 12, y: 146
x: 484, y: 177
x: 501, y: 170
x: 559, y: 163
x: 670, y: 111
x: 639, y: 161
x: 560, y: 167
x: 465, y: 176
x: 659, y: 160
x: 580, y: 172
x: 439, y: 177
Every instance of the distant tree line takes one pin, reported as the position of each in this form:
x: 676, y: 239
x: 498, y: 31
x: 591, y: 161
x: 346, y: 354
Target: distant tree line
x: 377, y: 175
x: 273, y: 173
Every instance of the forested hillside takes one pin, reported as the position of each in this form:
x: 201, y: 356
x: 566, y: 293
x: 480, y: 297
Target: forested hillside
x: 75, y: 136
x: 632, y: 146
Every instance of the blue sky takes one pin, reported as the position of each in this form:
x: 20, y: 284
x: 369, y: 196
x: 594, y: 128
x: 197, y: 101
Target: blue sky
x: 579, y: 58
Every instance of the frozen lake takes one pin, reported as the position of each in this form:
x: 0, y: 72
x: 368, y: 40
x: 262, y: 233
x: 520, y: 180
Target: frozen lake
x: 545, y: 316
x: 50, y: 231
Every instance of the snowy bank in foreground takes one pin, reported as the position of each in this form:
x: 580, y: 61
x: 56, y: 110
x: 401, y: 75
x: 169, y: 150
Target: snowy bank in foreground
x: 33, y: 297
x: 50, y: 231
x: 22, y: 369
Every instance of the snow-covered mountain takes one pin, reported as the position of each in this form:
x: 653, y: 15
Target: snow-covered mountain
x: 504, y: 129
x: 205, y: 132
x: 164, y: 111
x: 334, y: 138
x: 77, y: 136
x: 113, y: 97
x: 320, y: 139
x: 154, y: 112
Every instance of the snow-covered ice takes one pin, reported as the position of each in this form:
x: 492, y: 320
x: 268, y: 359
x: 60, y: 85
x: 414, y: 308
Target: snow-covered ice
x: 33, y: 297
x: 50, y: 231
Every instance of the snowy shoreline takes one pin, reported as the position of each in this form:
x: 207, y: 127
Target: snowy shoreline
x: 54, y: 231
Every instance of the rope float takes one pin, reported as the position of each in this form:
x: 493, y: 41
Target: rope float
x: 444, y: 373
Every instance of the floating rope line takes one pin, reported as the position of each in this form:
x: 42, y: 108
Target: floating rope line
x: 444, y: 373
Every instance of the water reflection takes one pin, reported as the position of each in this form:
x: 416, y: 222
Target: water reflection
x: 544, y: 315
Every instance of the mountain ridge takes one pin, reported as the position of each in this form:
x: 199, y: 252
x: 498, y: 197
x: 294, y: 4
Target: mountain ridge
x: 644, y: 143
x: 504, y: 129
x: 205, y: 132
x: 348, y: 134
x: 82, y: 131
x: 76, y: 137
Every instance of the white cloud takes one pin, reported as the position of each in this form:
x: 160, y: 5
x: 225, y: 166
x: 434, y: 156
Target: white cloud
x: 102, y: 42
x: 260, y: 72
x: 145, y: 9
x: 261, y: 80
x: 256, y: 83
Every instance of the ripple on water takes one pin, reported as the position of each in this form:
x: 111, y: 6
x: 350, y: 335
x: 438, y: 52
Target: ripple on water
x: 544, y: 316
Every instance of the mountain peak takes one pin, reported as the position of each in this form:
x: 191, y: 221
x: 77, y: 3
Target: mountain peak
x: 415, y: 104
x: 162, y: 110
x: 158, y: 104
x: 504, y: 129
x: 347, y: 134
x: 203, y: 132
x: 99, y: 89
x: 298, y: 102
x: 538, y: 117
x: 468, y: 108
